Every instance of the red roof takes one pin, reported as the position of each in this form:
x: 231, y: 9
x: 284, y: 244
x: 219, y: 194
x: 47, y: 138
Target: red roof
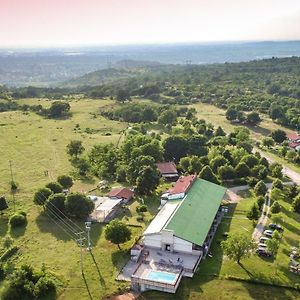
x: 167, y: 168
x: 121, y: 193
x: 294, y: 144
x: 293, y: 136
x: 182, y: 184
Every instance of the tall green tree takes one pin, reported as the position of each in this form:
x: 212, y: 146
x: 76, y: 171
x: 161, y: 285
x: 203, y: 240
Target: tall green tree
x: 147, y: 180
x: 78, y: 205
x: 207, y: 174
x: 65, y: 181
x: 117, y: 233
x: 41, y: 196
x: 75, y: 148
x: 238, y: 246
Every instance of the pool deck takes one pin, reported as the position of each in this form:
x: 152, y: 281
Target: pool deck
x: 165, y: 259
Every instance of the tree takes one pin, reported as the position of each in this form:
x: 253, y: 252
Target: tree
x: 65, y: 181
x: 260, y: 202
x: 293, y: 191
x: 291, y: 155
x: 278, y: 136
x: 167, y: 117
x: 56, y: 204
x: 75, y: 148
x: 185, y: 163
x: 217, y: 162
x: 296, y: 204
x: 268, y: 142
x: 55, y: 187
x: 276, y: 171
x: 17, y: 220
x: 83, y: 166
x: 175, y: 147
x: 253, y: 213
x: 117, y: 233
x: 149, y: 114
x: 277, y: 183
x: 260, y: 188
x: 78, y: 205
x: 207, y: 174
x: 272, y: 246
x: 253, y: 118
x: 226, y: 172
x: 58, y: 109
x: 147, y: 180
x: 123, y: 95
x: 242, y: 170
x: 231, y: 114
x: 220, y: 132
x: 41, y: 196
x: 238, y: 246
x: 275, y: 207
x: 276, y: 112
x: 250, y: 160
x: 195, y: 165
x: 3, y: 204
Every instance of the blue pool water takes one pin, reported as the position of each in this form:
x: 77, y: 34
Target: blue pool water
x: 162, y: 276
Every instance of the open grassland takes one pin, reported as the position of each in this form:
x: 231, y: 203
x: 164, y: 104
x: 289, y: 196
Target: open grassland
x: 216, y: 116
x: 35, y: 144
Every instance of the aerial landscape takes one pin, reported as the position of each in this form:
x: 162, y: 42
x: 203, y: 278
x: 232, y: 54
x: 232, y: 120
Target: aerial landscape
x: 149, y: 150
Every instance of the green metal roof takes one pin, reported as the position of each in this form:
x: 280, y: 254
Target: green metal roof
x: 193, y: 218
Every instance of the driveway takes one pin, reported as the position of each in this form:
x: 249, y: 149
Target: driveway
x: 295, y: 176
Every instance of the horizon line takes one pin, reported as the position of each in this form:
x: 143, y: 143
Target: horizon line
x: 129, y: 44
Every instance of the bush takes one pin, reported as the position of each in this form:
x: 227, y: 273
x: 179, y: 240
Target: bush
x: 44, y: 287
x: 141, y: 208
x: 17, y: 220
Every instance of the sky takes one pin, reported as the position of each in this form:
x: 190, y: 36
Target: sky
x: 44, y: 23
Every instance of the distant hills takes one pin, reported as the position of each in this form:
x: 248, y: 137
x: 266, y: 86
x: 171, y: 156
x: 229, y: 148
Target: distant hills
x: 55, y: 67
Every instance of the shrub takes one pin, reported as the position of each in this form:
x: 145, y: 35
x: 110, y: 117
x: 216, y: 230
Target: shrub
x: 44, y: 287
x: 141, y: 208
x: 17, y: 220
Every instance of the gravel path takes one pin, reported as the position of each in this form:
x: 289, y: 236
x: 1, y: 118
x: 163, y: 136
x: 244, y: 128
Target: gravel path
x: 262, y: 222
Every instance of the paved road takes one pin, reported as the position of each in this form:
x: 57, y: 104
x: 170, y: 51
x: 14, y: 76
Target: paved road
x: 295, y: 176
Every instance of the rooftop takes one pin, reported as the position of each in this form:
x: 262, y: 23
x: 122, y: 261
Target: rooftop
x: 194, y: 216
x: 293, y: 136
x: 167, y: 168
x: 121, y: 193
x: 182, y: 184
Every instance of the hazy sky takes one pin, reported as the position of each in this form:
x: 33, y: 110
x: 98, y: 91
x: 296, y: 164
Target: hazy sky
x: 85, y: 22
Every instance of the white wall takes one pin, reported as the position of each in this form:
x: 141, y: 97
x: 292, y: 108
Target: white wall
x: 152, y: 240
x: 182, y: 245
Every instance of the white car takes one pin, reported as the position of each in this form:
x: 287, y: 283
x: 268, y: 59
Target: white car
x: 268, y: 233
x: 262, y: 245
x: 263, y: 239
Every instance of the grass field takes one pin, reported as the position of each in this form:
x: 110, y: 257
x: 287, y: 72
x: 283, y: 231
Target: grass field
x: 35, y: 144
x: 216, y: 116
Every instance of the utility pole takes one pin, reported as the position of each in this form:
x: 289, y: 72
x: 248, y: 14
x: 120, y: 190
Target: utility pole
x: 88, y: 229
x: 80, y: 244
x: 12, y: 182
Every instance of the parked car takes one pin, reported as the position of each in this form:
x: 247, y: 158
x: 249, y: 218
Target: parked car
x: 275, y: 227
x: 263, y: 252
x: 262, y: 245
x: 268, y: 233
x: 263, y: 239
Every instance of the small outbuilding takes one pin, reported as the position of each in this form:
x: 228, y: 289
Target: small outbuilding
x: 168, y: 170
x: 122, y: 193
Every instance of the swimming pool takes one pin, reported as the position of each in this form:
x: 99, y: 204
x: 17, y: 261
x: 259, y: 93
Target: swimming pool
x: 162, y: 276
